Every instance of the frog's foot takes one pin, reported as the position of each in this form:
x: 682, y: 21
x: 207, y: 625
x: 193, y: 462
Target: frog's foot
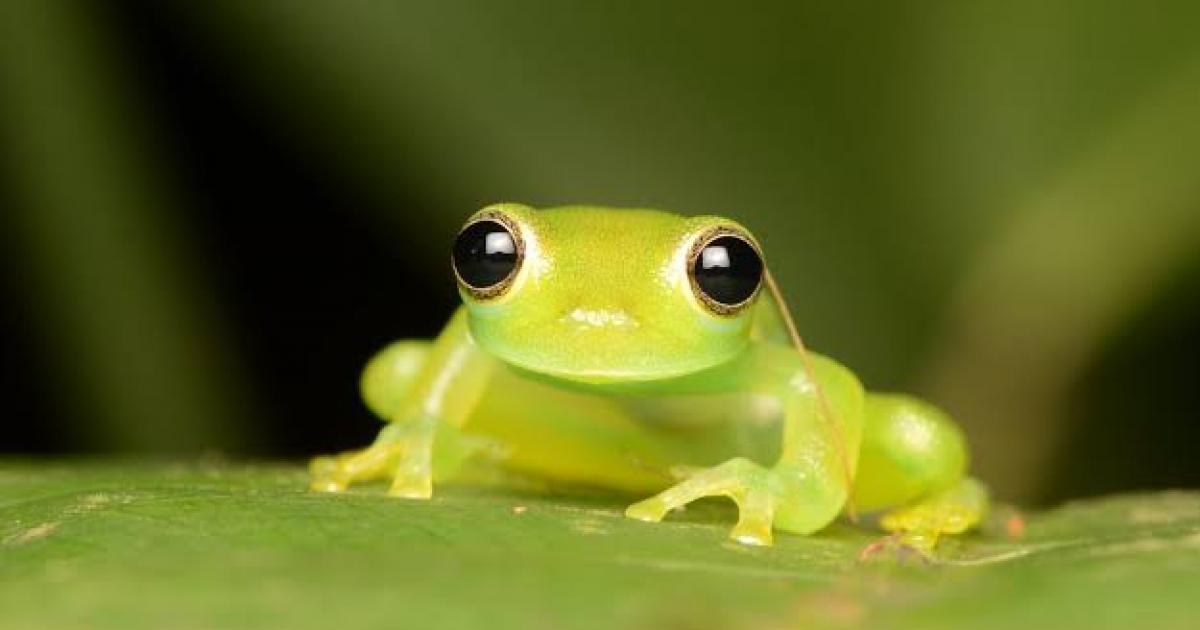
x: 402, y: 451
x: 748, y: 484
x: 953, y: 511
x: 336, y: 473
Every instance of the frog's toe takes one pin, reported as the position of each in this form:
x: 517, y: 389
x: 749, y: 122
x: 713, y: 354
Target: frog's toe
x: 324, y: 473
x: 326, y: 484
x: 757, y: 537
x: 412, y: 478
x: 411, y: 488
x: 651, y: 510
x: 755, y: 516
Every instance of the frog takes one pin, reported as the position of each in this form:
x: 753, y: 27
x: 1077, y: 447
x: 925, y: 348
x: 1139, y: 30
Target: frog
x: 650, y: 354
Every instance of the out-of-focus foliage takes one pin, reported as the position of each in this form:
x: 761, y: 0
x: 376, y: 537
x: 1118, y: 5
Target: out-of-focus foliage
x: 119, y: 308
x: 966, y: 199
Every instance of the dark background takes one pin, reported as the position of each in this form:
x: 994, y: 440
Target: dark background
x: 219, y: 211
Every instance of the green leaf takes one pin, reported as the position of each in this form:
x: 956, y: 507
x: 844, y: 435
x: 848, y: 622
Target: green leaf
x: 121, y: 545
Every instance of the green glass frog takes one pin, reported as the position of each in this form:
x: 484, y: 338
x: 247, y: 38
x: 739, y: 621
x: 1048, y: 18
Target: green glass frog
x: 647, y: 352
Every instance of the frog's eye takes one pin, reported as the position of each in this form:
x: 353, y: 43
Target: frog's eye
x: 726, y: 271
x: 487, y: 254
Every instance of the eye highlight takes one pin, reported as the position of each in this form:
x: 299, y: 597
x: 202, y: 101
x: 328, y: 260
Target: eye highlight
x: 486, y: 256
x: 726, y: 271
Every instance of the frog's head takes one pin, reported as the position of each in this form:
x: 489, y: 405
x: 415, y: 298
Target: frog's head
x: 599, y: 294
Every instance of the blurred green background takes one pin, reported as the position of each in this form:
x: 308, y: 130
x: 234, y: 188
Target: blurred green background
x: 215, y: 211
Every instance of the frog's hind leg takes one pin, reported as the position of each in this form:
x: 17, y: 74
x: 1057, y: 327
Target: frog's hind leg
x: 912, y: 466
x: 390, y: 375
x: 385, y: 383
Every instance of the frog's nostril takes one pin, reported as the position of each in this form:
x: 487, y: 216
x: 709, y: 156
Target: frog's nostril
x: 600, y: 318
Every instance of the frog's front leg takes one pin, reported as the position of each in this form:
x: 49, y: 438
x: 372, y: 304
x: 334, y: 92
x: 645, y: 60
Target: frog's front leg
x: 752, y: 487
x: 808, y: 485
x: 426, y: 392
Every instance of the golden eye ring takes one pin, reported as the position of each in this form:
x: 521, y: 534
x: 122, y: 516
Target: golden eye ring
x: 487, y: 255
x: 725, y: 268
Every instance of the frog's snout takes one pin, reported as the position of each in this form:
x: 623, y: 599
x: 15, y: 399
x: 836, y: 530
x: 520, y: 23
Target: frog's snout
x: 609, y: 318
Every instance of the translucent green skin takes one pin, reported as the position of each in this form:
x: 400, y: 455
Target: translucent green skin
x: 599, y: 365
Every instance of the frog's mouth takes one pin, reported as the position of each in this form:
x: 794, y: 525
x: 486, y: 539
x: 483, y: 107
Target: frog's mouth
x: 619, y: 351
x: 595, y: 376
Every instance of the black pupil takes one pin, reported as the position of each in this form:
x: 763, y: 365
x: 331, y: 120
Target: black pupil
x: 728, y: 270
x: 485, y: 254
